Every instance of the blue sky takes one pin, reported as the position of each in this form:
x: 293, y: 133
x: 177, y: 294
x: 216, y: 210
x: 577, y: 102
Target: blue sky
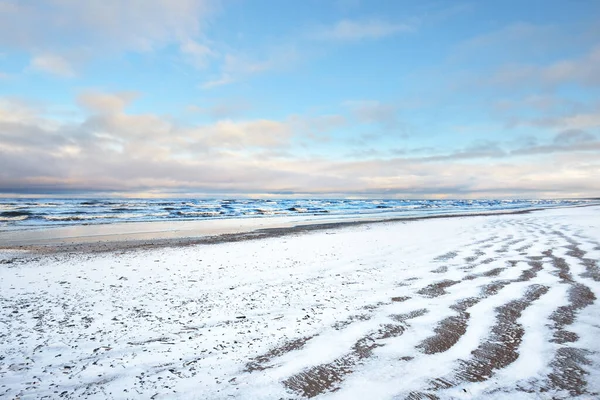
x: 333, y: 98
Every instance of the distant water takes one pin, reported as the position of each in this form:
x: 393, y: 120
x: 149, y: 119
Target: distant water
x: 23, y: 213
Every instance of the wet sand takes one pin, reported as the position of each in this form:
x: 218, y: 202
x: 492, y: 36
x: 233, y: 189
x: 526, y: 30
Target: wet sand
x: 148, y: 235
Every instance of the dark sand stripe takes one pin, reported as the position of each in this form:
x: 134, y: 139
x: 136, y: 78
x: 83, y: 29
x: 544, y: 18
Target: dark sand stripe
x: 501, y: 348
x: 445, y: 257
x: 451, y: 329
x: 580, y: 296
x: 437, y: 289
x: 498, y: 351
x: 591, y: 265
x: 259, y: 363
x: 327, y: 377
x: 568, y: 372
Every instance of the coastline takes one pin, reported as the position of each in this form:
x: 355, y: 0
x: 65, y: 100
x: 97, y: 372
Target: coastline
x: 157, y: 234
x: 147, y: 235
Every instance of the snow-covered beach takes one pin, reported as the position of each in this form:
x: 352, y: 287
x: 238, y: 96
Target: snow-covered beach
x: 491, y: 306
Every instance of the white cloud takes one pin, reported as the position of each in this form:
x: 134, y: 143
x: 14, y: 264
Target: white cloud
x: 58, y: 31
x: 239, y: 65
x: 16, y: 111
x: 583, y: 70
x: 224, y: 79
x: 348, y: 30
x: 53, y: 64
x: 576, y: 121
x: 499, y: 45
x: 371, y: 111
x: 131, y: 24
x: 318, y: 125
x: 221, y: 109
x: 573, y: 136
x: 580, y: 121
x: 241, y: 135
x: 112, y: 149
x: 197, y: 54
x: 106, y: 103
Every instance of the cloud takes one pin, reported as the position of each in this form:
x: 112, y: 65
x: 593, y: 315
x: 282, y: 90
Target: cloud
x: 499, y: 45
x: 57, y: 32
x: 319, y: 124
x: 573, y: 136
x: 575, y: 121
x: 479, y: 150
x: 316, y: 128
x: 539, y: 102
x: 105, y: 103
x: 569, y: 141
x: 197, y: 54
x: 241, y: 135
x: 14, y: 110
x: 112, y: 149
x: 579, y: 147
x: 222, y: 109
x: 584, y: 71
x: 546, y: 112
x: 224, y: 79
x: 374, y: 112
x: 348, y: 30
x: 53, y: 64
x: 237, y: 66
x: 138, y: 25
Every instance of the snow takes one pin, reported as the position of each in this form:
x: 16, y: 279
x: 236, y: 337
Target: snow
x: 186, y: 322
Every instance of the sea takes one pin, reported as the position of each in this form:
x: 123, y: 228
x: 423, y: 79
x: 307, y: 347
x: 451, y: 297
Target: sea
x: 31, y: 213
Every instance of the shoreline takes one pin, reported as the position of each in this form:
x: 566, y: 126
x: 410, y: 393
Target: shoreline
x: 127, y: 242
x: 226, y: 233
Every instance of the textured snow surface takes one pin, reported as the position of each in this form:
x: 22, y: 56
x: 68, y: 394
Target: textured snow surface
x: 477, y: 307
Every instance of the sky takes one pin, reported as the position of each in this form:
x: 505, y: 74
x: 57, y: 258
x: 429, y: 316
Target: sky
x: 280, y: 98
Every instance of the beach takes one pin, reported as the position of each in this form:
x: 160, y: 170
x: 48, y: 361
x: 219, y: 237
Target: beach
x: 471, y: 306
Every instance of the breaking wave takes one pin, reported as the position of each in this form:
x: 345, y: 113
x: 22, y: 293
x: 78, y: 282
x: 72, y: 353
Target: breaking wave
x: 15, y: 213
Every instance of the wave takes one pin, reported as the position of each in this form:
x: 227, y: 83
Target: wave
x: 16, y: 213
x: 298, y: 209
x: 14, y: 219
x: 265, y: 211
x: 87, y: 217
x: 91, y: 203
x: 63, y: 211
x: 206, y: 205
x: 198, y: 213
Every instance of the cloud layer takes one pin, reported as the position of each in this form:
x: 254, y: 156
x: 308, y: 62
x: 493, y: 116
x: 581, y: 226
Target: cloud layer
x: 117, y: 151
x: 60, y: 34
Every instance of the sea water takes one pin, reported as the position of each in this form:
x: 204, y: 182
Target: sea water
x: 23, y: 213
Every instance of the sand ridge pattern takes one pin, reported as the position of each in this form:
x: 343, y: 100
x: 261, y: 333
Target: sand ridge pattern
x: 442, y: 309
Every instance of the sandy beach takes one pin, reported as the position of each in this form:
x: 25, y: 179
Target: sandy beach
x: 496, y: 306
